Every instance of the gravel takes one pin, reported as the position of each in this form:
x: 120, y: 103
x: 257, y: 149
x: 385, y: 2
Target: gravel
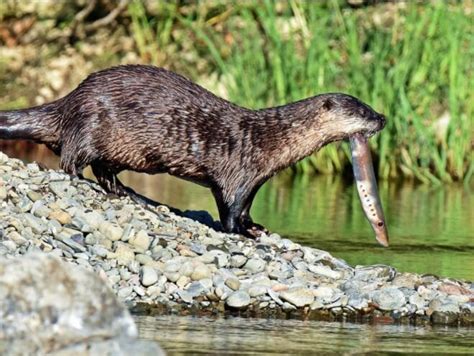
x: 152, y: 257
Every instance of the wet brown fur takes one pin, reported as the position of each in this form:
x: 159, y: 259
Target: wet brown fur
x: 148, y: 119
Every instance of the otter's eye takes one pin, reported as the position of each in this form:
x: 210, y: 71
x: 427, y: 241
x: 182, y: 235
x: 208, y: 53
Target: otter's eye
x: 380, y: 223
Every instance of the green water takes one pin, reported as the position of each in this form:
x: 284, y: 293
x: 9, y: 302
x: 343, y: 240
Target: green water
x: 431, y: 228
x: 180, y: 335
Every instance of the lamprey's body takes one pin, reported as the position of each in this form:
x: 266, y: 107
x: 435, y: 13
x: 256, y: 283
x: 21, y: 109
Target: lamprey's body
x: 367, y: 187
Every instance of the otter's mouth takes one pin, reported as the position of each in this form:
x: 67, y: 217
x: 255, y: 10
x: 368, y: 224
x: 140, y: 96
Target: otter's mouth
x: 367, y: 185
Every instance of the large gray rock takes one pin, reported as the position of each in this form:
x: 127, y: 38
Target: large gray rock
x: 48, y: 306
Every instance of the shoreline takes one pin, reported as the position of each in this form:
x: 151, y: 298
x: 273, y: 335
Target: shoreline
x: 158, y: 262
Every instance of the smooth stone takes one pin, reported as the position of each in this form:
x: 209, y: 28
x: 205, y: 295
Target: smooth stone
x: 111, y: 231
x: 375, y: 272
x: 185, y: 296
x: 237, y: 261
x: 418, y: 301
x: 9, y: 245
x: 195, y: 289
x: 255, y: 265
x: 62, y: 188
x: 316, y: 305
x: 17, y: 238
x: 148, y: 276
x: 39, y: 209
x: 36, y: 224
x: 358, y: 302
x: 201, y: 271
x: 99, y: 250
x: 298, y: 296
x: 239, y: 299
x: 143, y: 259
x: 257, y: 290
x: 323, y: 292
x: 93, y: 219
x: 389, y: 298
x: 123, y: 293
x: 25, y: 205
x: 275, y: 296
x: 232, y: 283
x: 61, y: 216
x: 443, y: 306
x: 123, y: 254
x: 74, y: 245
x: 140, y: 240
x: 134, y: 266
x: 325, y: 271
x: 183, y: 281
x: 172, y: 276
x: 186, y: 269
x: 3, y: 193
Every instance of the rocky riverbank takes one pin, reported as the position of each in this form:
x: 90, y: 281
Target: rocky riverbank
x: 157, y: 261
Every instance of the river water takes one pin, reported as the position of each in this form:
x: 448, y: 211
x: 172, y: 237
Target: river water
x: 180, y: 335
x: 431, y: 231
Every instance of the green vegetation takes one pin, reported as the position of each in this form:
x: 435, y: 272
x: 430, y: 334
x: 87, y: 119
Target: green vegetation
x: 412, y: 62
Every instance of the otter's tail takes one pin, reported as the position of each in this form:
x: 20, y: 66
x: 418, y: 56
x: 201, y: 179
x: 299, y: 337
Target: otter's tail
x: 39, y: 123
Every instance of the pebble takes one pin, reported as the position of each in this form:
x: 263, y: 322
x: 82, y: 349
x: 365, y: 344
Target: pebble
x: 61, y: 216
x: 239, y: 299
x: 389, y: 298
x: 123, y: 254
x: 257, y: 290
x: 201, y: 271
x: 298, y: 296
x: 111, y: 231
x: 3, y: 193
x: 238, y: 261
x: 148, y: 276
x: 232, y: 283
x: 255, y: 265
x: 141, y: 240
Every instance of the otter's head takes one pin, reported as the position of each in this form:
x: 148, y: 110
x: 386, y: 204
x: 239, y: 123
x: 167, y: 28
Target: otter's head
x: 344, y: 116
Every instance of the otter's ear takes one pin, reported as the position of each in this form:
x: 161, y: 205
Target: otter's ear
x: 328, y: 104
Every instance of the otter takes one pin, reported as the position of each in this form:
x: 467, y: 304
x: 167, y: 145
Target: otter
x: 149, y: 119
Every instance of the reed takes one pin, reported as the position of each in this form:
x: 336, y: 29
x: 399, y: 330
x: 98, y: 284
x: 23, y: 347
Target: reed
x: 414, y: 65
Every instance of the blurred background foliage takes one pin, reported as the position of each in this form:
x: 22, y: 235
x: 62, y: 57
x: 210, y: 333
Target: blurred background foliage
x: 411, y: 60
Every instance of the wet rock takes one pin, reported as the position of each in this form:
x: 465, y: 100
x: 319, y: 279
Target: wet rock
x: 389, y: 298
x: 239, y: 299
x: 298, y: 296
x: 443, y: 306
x: 375, y: 272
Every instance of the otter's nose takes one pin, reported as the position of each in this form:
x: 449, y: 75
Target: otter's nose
x: 382, y: 121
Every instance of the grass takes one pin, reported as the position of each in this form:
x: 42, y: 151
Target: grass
x: 412, y: 62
